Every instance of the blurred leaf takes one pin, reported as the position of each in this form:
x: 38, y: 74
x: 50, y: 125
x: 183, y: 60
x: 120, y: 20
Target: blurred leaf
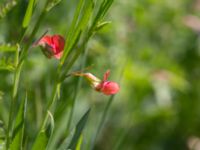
x: 71, y: 36
x: 4, y: 9
x: 80, y: 141
x: 28, y: 14
x: 51, y: 127
x: 79, y: 24
x: 6, y: 65
x: 1, y: 96
x: 52, y: 4
x: 2, y: 136
x: 41, y: 141
x: 102, y: 25
x: 8, y: 48
x: 78, y: 130
x: 105, y: 5
x: 44, y: 135
x: 19, y: 127
x: 67, y: 141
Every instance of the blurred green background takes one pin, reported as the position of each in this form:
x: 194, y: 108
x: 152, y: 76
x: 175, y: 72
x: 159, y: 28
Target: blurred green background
x: 152, y: 50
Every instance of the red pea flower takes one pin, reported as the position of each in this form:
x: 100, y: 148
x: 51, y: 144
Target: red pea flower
x: 103, y: 86
x: 52, y: 46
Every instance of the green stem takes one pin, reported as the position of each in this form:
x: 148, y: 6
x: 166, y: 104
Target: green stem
x: 11, y: 111
x: 103, y: 118
x: 76, y: 92
x: 54, y: 95
x: 105, y: 112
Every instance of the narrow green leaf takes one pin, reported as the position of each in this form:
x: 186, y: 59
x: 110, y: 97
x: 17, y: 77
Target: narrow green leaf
x: 72, y: 29
x: 19, y: 127
x: 8, y: 48
x: 28, y: 14
x: 73, y: 138
x: 5, y: 8
x: 105, y: 5
x: 16, y: 80
x: 2, y: 136
x: 80, y: 141
x: 81, y: 26
x: 67, y: 141
x: 7, y: 67
x: 44, y: 135
x: 102, y: 25
x: 41, y: 141
x: 78, y: 130
x: 1, y: 96
x: 102, y: 120
x: 51, y: 126
x: 52, y: 4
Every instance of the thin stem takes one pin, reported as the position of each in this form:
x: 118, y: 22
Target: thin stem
x: 54, y: 95
x: 76, y: 92
x: 103, y: 117
x: 105, y: 112
x: 14, y: 96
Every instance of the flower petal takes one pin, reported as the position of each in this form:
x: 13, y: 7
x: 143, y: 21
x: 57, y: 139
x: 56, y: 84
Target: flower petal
x: 110, y: 88
x: 45, y: 40
x: 106, y: 75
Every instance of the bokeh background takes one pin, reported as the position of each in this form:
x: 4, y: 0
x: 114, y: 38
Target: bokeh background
x: 152, y: 48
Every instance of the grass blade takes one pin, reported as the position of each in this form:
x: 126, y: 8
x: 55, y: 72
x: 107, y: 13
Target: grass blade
x: 80, y: 141
x: 19, y: 127
x: 41, y: 141
x: 8, y: 48
x: 28, y: 14
x: 44, y: 135
x: 78, y: 130
x: 52, y: 4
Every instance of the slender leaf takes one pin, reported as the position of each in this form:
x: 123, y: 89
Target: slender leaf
x: 19, y: 127
x: 4, y: 9
x: 8, y: 48
x: 67, y: 141
x: 80, y: 141
x: 44, y: 135
x: 52, y: 4
x: 41, y: 141
x: 2, y: 135
x: 82, y: 26
x: 72, y: 28
x: 72, y: 139
x: 28, y: 14
x: 8, y: 67
x: 78, y: 130
x: 102, y: 121
x: 102, y: 25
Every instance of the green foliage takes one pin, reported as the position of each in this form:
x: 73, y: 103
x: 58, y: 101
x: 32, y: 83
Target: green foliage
x: 78, y: 130
x: 28, y: 13
x: 152, y: 50
x: 19, y: 127
x: 6, y: 7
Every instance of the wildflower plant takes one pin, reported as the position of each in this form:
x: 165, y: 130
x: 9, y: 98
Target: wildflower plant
x: 88, y: 18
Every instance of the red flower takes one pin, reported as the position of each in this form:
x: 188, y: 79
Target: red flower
x: 103, y: 86
x: 52, y: 45
x: 107, y: 87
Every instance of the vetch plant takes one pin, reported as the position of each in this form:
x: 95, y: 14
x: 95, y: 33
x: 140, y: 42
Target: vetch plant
x: 87, y: 20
